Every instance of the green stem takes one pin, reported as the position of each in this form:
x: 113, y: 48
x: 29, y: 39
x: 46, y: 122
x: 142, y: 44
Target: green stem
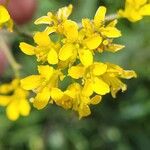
x: 22, y: 34
x: 15, y: 66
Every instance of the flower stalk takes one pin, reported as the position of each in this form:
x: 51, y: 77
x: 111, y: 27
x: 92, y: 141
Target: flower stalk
x: 13, y: 63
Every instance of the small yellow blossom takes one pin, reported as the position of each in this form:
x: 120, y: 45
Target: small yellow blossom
x: 78, y: 98
x: 135, y: 10
x: 14, y: 98
x: 45, y: 51
x: 91, y: 76
x: 55, y: 21
x: 42, y: 84
x: 5, y: 19
x: 113, y: 75
x: 99, y: 34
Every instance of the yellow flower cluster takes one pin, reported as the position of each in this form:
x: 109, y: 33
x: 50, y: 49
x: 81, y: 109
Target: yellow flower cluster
x: 135, y: 10
x: 5, y: 20
x: 14, y: 98
x: 66, y: 49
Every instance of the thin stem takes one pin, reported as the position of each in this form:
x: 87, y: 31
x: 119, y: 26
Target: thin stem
x: 17, y: 31
x: 4, y: 47
x: 111, y: 17
x: 23, y: 34
x: 107, y: 18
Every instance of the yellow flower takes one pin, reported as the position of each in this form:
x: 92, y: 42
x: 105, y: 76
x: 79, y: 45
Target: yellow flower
x: 135, y: 10
x: 42, y: 84
x: 78, y: 98
x: 113, y: 75
x: 55, y: 21
x: 5, y: 19
x: 99, y: 35
x: 16, y: 103
x: 91, y: 76
x: 45, y: 51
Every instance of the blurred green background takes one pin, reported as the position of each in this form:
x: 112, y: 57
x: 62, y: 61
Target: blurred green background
x: 115, y: 124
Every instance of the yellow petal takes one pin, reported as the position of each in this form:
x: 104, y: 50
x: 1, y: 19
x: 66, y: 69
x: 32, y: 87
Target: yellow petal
x: 21, y: 92
x: 86, y: 57
x: 100, y: 87
x: 42, y: 39
x: 87, y: 89
x: 31, y: 82
x: 64, y: 12
x: 96, y: 99
x: 6, y: 88
x: 70, y: 30
x: 86, y: 23
x: 9, y: 87
x: 12, y: 111
x: 52, y: 57
x: 66, y: 52
x: 100, y: 16
x: 42, y: 99
x: 72, y: 90
x: 116, y: 85
x: 43, y: 20
x: 76, y: 72
x: 4, y: 15
x: 27, y: 48
x: 145, y: 10
x: 112, y: 23
x: 4, y: 100
x: 46, y: 71
x: 111, y: 32
x: 56, y: 94
x: 115, y: 47
x: 138, y: 2
x: 93, y: 42
x: 84, y: 111
x: 128, y: 74
x: 15, y: 82
x: 65, y: 102
x: 130, y: 14
x: 134, y: 16
x: 50, y: 30
x: 24, y: 107
x: 99, y: 69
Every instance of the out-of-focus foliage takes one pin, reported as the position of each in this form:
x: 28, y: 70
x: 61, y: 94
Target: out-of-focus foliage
x: 121, y: 124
